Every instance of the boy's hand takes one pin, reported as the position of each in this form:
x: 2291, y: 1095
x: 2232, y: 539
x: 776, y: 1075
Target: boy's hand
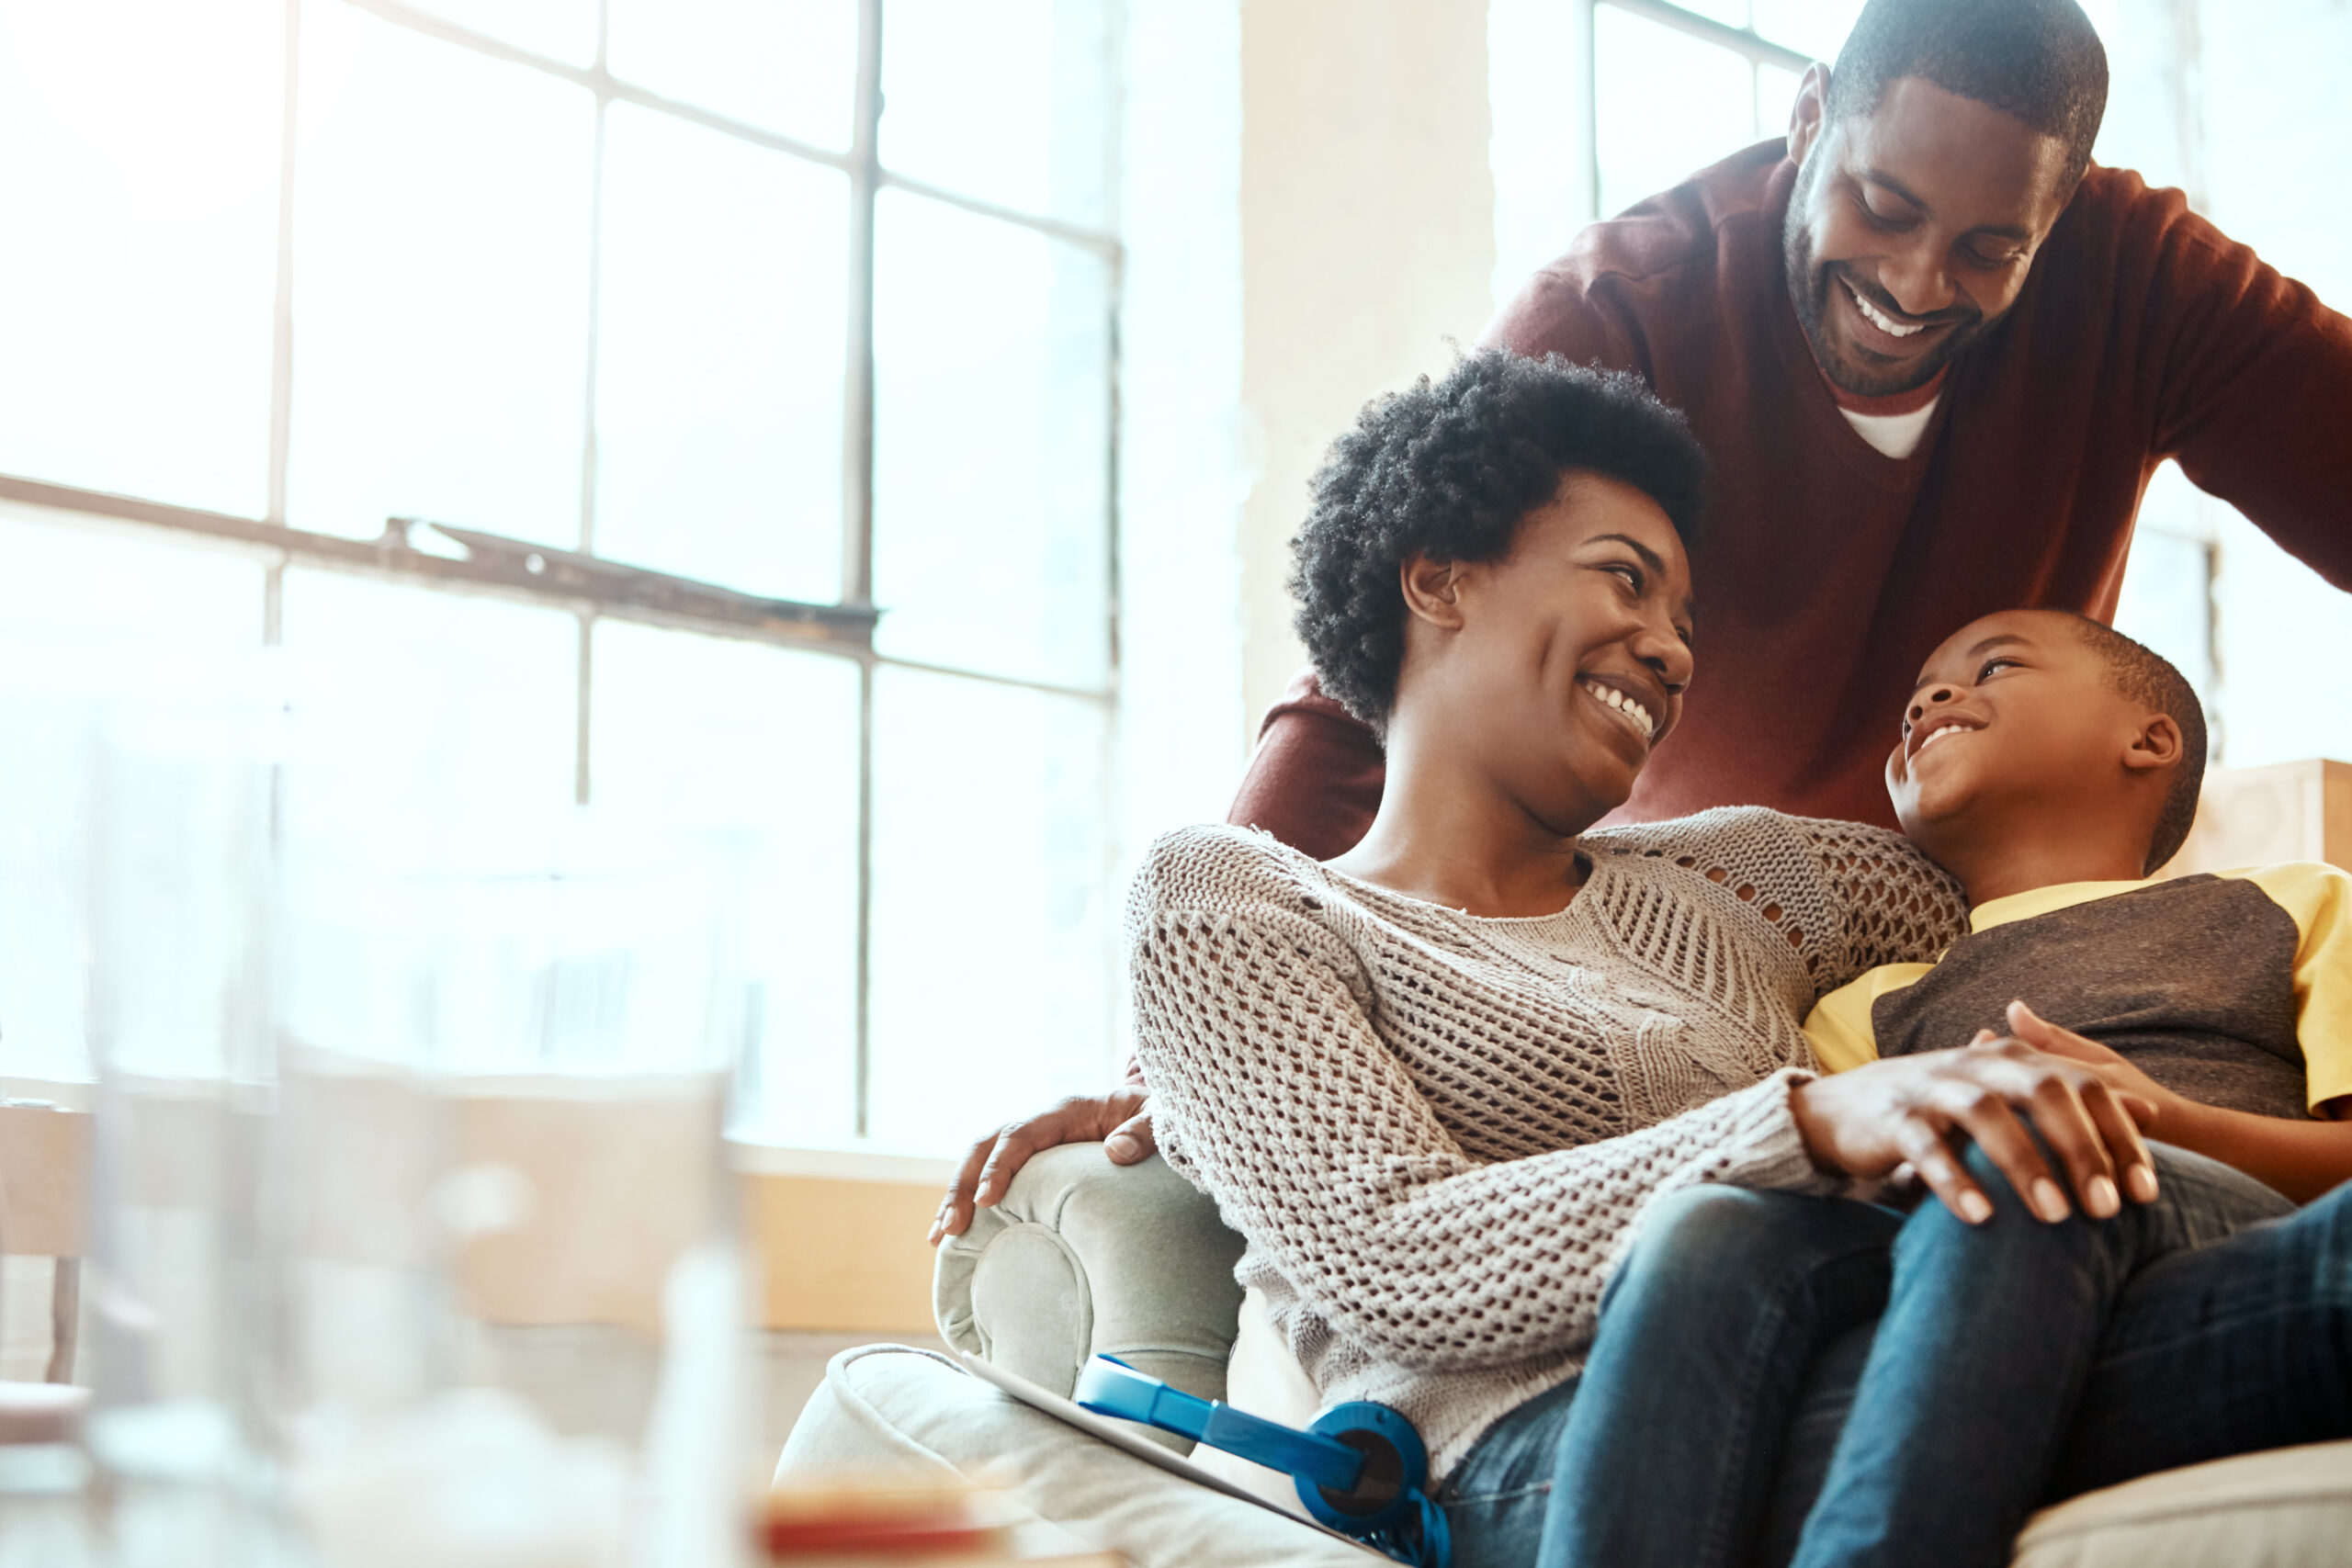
x: 1873, y: 1119
x: 2043, y: 1035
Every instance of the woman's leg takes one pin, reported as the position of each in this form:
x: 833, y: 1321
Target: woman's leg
x: 1705, y: 1333
x: 1989, y: 1338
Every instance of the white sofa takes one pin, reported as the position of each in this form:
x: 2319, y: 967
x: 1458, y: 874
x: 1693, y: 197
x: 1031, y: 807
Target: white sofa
x: 1085, y: 1257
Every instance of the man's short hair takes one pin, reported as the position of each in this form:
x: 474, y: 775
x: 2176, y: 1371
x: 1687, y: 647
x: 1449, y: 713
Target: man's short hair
x: 2039, y: 59
x: 1447, y: 470
x: 2141, y: 674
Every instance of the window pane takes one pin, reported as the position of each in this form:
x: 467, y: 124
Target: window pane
x: 1731, y: 13
x: 139, y: 153
x: 564, y: 28
x: 762, y: 741
x: 441, y: 285
x: 1007, y: 101
x: 788, y: 65
x: 83, y: 611
x: 1776, y: 94
x: 421, y: 708
x: 991, y: 441
x: 992, y: 946
x: 1668, y: 106
x: 1816, y: 26
x: 718, y: 370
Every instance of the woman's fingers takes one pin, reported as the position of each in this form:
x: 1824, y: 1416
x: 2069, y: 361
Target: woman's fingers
x: 1930, y: 1155
x: 1986, y: 1115
x: 2119, y: 1116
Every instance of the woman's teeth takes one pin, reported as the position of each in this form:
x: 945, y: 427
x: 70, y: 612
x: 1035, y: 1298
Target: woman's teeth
x: 1938, y: 734
x: 1880, y: 319
x: 1624, y: 706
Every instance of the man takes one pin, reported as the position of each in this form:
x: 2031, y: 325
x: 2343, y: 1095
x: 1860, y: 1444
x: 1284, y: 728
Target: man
x: 1934, y: 356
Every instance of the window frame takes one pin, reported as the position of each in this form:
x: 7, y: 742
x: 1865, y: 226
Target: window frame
x: 577, y: 580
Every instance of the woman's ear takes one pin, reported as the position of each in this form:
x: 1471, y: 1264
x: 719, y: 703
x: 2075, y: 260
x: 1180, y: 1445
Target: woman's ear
x: 1431, y: 590
x: 1810, y: 113
x: 2158, y: 745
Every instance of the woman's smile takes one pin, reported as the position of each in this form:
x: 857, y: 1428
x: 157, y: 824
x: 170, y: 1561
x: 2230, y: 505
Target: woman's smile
x: 1626, y: 709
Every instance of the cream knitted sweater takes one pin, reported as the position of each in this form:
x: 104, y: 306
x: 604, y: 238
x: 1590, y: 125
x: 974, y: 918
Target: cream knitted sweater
x: 1438, y: 1133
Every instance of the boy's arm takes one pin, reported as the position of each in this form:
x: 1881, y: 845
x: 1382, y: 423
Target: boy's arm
x: 2299, y: 1159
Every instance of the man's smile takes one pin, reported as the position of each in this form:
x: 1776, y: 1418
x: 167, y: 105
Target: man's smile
x: 1894, y: 337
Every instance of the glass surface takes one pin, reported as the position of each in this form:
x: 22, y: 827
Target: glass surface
x: 441, y: 285
x: 565, y: 29
x: 1776, y: 95
x: 1816, y: 28
x: 1668, y: 106
x: 139, y: 156
x: 87, y: 613
x: 992, y: 943
x: 418, y: 709
x: 788, y: 66
x: 719, y: 376
x: 759, y: 742
x: 1009, y: 102
x: 1731, y: 13
x: 991, y: 446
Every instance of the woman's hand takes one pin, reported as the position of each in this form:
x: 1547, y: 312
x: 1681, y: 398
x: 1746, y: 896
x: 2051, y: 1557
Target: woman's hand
x: 1904, y: 1110
x: 1120, y: 1119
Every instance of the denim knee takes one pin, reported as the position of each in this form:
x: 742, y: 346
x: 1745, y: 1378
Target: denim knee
x: 1693, y: 1242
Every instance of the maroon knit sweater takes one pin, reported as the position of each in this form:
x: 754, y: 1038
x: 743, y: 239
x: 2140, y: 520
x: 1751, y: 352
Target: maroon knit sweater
x: 1828, y: 571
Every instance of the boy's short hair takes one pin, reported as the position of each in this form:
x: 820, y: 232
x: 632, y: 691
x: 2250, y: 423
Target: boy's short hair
x: 1448, y: 469
x: 2140, y: 674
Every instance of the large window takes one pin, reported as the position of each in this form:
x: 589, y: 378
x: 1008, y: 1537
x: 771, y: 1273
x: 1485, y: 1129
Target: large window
x: 759, y: 353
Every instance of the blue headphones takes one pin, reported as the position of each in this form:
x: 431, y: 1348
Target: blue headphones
x: 1359, y: 1468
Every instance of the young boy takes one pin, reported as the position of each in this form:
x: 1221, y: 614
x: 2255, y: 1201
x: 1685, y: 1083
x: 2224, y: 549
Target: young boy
x: 2052, y: 765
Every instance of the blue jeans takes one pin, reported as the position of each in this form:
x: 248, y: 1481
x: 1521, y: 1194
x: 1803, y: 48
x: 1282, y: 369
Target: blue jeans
x: 1781, y: 1376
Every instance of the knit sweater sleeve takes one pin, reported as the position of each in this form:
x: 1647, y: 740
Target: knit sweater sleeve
x: 1276, y: 1093
x: 1896, y: 905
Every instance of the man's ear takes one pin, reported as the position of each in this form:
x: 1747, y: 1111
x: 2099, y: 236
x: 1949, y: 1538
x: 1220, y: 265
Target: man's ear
x: 2156, y: 745
x: 1810, y: 113
x: 1432, y: 590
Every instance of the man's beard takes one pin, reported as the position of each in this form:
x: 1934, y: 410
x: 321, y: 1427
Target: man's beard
x: 1809, y: 286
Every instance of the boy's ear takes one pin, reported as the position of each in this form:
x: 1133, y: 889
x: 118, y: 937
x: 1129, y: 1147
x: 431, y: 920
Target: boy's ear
x: 1432, y: 590
x: 2156, y: 745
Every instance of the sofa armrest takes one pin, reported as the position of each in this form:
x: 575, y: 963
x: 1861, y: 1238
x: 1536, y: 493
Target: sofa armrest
x: 1083, y: 1258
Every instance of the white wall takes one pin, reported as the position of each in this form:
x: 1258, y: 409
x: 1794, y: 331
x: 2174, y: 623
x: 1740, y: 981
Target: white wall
x: 1367, y: 243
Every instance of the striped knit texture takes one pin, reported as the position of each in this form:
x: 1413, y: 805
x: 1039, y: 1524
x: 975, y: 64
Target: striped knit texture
x: 1438, y: 1133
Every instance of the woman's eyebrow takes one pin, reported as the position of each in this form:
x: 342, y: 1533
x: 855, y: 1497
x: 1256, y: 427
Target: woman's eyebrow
x: 1650, y: 558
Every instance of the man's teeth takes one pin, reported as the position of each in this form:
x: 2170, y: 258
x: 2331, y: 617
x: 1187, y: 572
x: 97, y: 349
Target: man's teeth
x: 1881, y: 319
x: 1624, y: 705
x: 1938, y: 735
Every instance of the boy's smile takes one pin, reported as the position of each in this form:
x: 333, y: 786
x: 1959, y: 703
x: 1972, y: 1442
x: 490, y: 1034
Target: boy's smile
x: 2018, y: 750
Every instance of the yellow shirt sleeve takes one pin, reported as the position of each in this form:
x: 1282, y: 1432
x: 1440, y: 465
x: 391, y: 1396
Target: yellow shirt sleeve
x: 2319, y: 900
x: 1840, y: 1025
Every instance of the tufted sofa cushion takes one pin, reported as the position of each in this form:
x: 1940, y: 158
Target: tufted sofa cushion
x: 1084, y: 1256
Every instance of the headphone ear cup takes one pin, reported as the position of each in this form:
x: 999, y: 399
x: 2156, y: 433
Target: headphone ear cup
x: 1395, y: 1470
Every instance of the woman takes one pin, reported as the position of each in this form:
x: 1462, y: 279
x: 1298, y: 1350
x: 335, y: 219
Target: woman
x: 1437, y: 1081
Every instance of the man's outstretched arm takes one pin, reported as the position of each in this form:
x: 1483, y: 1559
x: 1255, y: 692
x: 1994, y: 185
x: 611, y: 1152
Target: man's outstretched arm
x: 1120, y: 1120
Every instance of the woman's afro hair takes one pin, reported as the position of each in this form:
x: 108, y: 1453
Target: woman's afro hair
x: 1447, y: 470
